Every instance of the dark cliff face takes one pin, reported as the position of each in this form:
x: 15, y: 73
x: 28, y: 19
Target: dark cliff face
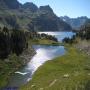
x: 46, y: 8
x: 11, y: 4
x: 30, y: 6
x: 48, y: 21
x: 29, y: 16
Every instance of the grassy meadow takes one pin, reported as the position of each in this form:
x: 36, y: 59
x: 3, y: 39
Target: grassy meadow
x: 68, y: 72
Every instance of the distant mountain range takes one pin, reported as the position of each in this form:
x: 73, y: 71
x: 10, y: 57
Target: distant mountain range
x: 29, y: 17
x: 75, y: 23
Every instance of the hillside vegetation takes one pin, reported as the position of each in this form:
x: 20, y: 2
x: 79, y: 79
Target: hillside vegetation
x: 29, y: 17
x: 16, y: 50
x: 68, y: 72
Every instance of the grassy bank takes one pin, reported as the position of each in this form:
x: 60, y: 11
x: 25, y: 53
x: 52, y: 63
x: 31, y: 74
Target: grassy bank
x: 12, y: 63
x: 68, y: 72
x: 43, y: 42
x: 7, y: 67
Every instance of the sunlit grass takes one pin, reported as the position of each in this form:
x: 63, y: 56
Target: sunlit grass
x: 44, y: 42
x: 69, y: 72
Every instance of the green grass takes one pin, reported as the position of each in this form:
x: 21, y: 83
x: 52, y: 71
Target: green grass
x: 43, y: 42
x: 12, y: 63
x: 7, y: 67
x: 68, y: 72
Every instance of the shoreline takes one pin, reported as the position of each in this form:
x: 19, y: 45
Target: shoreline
x: 65, y: 68
x: 24, y: 58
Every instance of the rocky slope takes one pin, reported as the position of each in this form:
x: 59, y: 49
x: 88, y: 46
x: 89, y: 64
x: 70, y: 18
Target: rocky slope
x: 29, y: 17
x: 76, y: 23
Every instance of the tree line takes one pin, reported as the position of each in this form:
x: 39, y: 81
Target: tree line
x: 83, y: 33
x: 70, y: 40
x: 16, y: 41
x: 35, y: 35
x: 12, y: 41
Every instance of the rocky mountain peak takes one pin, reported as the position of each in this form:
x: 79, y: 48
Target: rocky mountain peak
x: 29, y: 5
x: 46, y: 8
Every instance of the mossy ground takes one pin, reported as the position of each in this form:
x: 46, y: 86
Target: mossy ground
x: 68, y: 72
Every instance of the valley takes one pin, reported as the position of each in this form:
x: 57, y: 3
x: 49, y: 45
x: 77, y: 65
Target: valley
x: 44, y: 45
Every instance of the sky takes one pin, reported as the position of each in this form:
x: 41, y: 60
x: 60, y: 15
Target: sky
x: 71, y: 8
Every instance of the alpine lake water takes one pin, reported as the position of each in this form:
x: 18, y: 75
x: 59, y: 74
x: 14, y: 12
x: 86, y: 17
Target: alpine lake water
x: 43, y: 54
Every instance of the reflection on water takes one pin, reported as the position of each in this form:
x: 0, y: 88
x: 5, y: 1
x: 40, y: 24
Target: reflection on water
x: 59, y: 35
x: 44, y: 53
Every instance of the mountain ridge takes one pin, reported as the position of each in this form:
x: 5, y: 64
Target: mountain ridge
x: 76, y: 23
x: 30, y: 17
x: 13, y: 4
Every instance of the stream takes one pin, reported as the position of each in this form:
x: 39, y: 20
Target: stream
x: 43, y: 54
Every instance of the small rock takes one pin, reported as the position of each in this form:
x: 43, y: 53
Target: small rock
x: 41, y: 88
x: 53, y: 83
x: 80, y: 49
x: 32, y: 86
x: 66, y: 75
